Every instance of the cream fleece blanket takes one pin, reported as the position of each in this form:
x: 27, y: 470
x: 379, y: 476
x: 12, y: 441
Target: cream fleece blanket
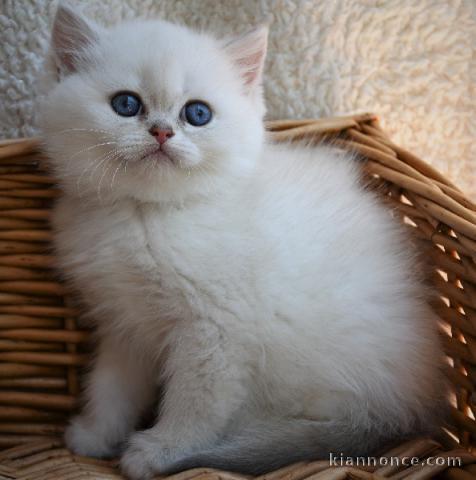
x: 410, y: 61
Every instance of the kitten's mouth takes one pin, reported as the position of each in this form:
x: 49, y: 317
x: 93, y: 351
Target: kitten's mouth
x: 157, y: 153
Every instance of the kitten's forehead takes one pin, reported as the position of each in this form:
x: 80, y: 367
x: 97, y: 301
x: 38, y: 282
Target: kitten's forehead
x: 163, y: 60
x: 162, y: 81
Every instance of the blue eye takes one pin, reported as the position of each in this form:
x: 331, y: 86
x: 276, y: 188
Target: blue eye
x: 126, y: 104
x: 197, y: 113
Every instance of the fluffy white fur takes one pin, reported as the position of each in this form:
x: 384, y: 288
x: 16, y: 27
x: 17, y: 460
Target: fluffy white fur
x: 261, y: 285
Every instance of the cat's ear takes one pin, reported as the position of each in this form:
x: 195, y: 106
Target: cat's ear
x: 72, y: 37
x: 248, y: 52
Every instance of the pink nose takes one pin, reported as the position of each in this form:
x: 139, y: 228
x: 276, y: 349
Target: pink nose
x: 161, y: 134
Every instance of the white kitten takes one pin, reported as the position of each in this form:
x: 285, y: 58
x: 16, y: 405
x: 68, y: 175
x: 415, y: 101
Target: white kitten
x: 266, y: 290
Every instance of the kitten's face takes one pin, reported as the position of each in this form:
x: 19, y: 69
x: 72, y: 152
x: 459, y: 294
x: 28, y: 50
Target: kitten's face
x: 151, y: 110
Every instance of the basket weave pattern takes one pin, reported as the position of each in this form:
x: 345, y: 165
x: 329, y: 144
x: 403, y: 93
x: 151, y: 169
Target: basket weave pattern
x: 41, y: 343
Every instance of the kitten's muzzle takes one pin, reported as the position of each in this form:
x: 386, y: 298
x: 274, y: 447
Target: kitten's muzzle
x: 161, y: 135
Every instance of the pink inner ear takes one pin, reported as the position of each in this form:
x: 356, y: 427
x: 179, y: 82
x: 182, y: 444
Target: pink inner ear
x: 251, y: 67
x: 72, y: 35
x: 248, y: 53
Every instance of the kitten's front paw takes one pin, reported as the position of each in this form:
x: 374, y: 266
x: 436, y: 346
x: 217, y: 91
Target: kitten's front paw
x: 145, y: 457
x: 85, y: 439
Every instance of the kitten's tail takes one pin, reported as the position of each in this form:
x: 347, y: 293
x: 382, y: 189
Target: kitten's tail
x: 267, y: 446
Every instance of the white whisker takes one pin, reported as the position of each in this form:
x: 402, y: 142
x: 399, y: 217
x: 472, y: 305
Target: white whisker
x: 91, y: 147
x: 106, y: 169
x: 115, y: 173
x: 101, y: 160
x: 88, y: 130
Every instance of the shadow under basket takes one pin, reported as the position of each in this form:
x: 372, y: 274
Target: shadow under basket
x: 42, y: 349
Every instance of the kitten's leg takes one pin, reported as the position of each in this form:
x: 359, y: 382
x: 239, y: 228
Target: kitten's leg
x: 206, y: 386
x: 117, y: 392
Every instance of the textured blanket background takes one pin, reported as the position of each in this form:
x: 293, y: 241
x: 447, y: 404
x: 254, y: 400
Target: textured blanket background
x: 410, y: 61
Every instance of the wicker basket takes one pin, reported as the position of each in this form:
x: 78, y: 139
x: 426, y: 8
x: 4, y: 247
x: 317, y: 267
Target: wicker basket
x: 42, y: 348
